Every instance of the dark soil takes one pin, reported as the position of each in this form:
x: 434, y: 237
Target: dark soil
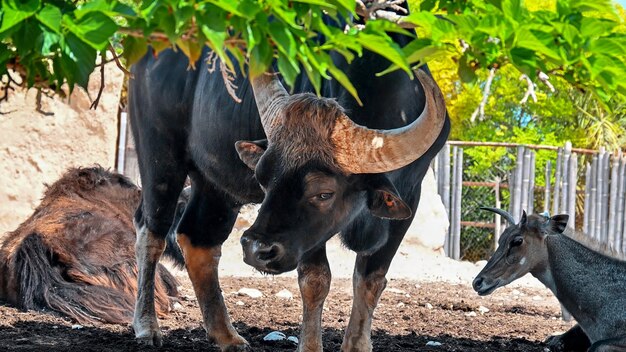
x: 408, y: 317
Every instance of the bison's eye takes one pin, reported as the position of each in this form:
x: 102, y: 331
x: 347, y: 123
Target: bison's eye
x: 325, y: 196
x: 517, y: 241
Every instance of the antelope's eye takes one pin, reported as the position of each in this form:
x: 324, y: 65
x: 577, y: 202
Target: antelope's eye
x: 325, y: 196
x: 517, y: 241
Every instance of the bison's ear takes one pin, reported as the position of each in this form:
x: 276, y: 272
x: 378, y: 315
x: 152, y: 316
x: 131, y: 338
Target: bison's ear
x: 558, y: 223
x: 383, y: 199
x: 251, y: 151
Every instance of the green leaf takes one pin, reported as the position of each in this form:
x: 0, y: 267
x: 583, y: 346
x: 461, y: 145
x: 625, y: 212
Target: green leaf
x: 77, y: 60
x: 283, y: 39
x: 215, y: 40
x: 288, y: 67
x: 260, y: 59
x: 465, y: 72
x: 94, y: 28
x: 607, y: 46
x: 134, y: 49
x: 49, y: 42
x: 385, y: 48
x: 51, y: 17
x: 345, y: 82
x: 15, y: 11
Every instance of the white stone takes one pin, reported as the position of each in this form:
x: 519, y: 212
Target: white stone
x: 400, y: 305
x: 470, y: 314
x: 428, y: 306
x: 396, y: 291
x: 77, y: 327
x: 537, y: 298
x: 275, y: 336
x: 483, y: 310
x: 177, y: 306
x: 250, y: 292
x: 433, y: 343
x: 240, y: 303
x: 285, y: 294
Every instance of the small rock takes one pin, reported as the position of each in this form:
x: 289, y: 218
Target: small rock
x: 250, y: 292
x: 483, y: 310
x: 275, y: 336
x: 433, y: 344
x: 516, y: 292
x: 396, y: 291
x: 471, y: 314
x: 177, y: 306
x: 293, y: 339
x: 55, y: 327
x: 77, y: 327
x: 537, y: 298
x: 285, y: 294
x: 400, y: 305
x: 428, y: 306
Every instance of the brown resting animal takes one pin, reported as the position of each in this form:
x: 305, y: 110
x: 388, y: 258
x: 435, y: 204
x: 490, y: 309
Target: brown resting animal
x: 75, y: 255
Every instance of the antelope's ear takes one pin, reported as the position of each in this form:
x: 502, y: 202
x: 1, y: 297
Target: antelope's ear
x: 558, y: 223
x: 251, y: 151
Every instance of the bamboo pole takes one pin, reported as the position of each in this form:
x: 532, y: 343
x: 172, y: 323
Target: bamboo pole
x: 557, y: 180
x: 593, y: 204
x: 449, y: 243
x: 598, y: 205
x: 456, y: 250
x: 567, y: 151
x: 525, y: 182
x: 498, y: 222
x: 573, y: 180
x: 605, y: 198
x: 519, y: 169
x: 587, y: 198
x: 546, y: 192
x: 531, y: 185
x: 613, y: 201
x: 620, y: 204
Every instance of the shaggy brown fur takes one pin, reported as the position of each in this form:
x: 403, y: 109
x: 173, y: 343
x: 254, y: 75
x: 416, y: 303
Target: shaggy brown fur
x: 76, y: 254
x: 305, y: 131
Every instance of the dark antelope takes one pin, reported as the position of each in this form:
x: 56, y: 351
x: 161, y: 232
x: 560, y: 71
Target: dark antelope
x: 318, y: 166
x: 590, y: 284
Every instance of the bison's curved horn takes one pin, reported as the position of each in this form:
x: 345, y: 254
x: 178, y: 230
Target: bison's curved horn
x: 504, y: 213
x: 360, y: 150
x: 270, y: 96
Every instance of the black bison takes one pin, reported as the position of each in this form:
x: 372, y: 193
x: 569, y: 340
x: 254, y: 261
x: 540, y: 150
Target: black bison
x: 318, y: 166
x: 75, y: 255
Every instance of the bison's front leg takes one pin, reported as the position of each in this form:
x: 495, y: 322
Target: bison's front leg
x: 148, y: 250
x: 314, y: 279
x: 202, y: 265
x: 367, y: 289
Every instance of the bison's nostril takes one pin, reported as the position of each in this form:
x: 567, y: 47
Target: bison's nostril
x: 269, y: 253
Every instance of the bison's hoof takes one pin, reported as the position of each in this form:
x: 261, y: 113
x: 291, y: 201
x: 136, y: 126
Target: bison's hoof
x: 237, y: 348
x: 150, y: 338
x: 555, y: 343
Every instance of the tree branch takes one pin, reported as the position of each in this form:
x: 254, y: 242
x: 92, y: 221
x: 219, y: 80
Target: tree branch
x: 480, y: 110
x: 377, y: 10
x: 118, y: 63
x: 530, y: 90
x: 228, y: 76
x: 95, y: 103
x: 545, y: 79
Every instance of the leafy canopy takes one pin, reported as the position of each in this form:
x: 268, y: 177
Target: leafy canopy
x: 52, y: 42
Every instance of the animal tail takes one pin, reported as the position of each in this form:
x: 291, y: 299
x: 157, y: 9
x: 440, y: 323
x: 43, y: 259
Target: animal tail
x: 172, y: 250
x: 106, y: 295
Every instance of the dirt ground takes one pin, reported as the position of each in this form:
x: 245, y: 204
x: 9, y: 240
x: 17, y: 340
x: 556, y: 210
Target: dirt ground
x: 410, y: 315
